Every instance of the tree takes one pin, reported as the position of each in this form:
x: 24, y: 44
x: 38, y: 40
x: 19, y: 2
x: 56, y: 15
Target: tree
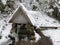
x: 10, y: 4
x: 2, y: 7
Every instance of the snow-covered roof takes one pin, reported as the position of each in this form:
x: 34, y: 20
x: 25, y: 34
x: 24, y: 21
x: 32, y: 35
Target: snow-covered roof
x: 38, y: 18
x: 41, y: 19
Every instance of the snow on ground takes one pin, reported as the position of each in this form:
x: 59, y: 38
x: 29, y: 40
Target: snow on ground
x: 4, y: 32
x: 54, y: 34
x: 37, y: 36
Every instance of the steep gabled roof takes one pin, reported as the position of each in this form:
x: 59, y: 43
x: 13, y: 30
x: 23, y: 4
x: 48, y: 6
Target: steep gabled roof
x: 37, y: 18
x: 22, y: 9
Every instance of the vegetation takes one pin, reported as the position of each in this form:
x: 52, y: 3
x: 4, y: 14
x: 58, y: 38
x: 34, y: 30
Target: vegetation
x: 8, y: 7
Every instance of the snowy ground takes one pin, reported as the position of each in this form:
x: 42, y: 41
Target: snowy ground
x: 4, y: 32
x: 54, y: 34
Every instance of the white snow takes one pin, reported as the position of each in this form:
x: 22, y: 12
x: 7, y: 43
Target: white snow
x: 54, y: 34
x: 37, y: 36
x: 4, y: 32
x: 42, y: 19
